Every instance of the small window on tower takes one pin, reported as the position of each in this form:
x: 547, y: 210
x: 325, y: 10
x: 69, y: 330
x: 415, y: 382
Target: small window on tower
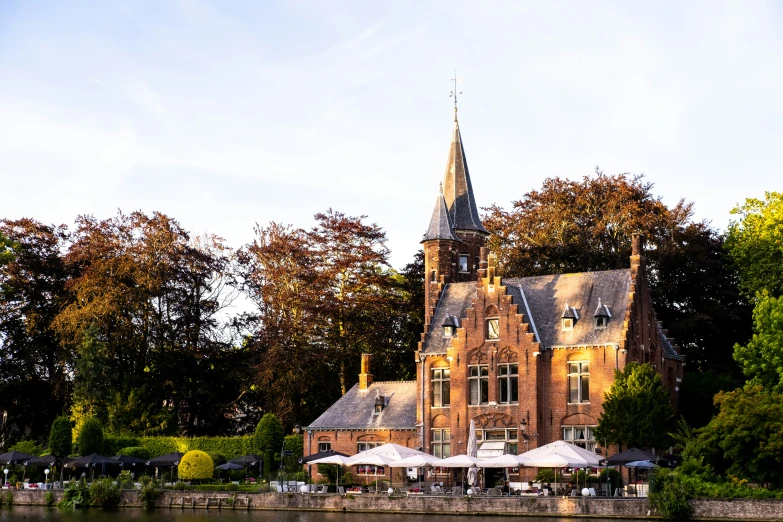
x: 493, y: 329
x: 434, y: 276
x: 463, y: 263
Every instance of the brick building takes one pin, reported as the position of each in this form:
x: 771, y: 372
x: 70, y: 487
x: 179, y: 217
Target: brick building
x: 529, y: 359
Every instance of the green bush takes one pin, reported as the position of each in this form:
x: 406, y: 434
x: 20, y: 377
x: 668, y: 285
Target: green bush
x: 195, y: 465
x: 615, y: 478
x: 669, y: 494
x: 77, y: 495
x: 9, y: 498
x: 228, y: 447
x: 217, y: 458
x: 61, y: 437
x: 232, y: 487
x: 27, y: 446
x: 268, y: 434
x: 114, y: 444
x: 150, y: 492
x: 135, y: 451
x: 90, y: 439
x: 545, y: 475
x: 104, y: 493
x: 269, y: 463
x: 49, y: 498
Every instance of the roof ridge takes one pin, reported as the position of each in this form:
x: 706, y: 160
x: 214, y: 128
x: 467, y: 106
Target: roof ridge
x: 504, y: 279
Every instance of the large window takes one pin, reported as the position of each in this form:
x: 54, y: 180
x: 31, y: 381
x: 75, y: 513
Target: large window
x: 368, y: 470
x: 581, y: 436
x: 493, y: 328
x: 441, y: 443
x: 478, y: 376
x: 509, y: 436
x: 508, y: 383
x: 463, y: 263
x: 324, y: 446
x: 441, y: 391
x: 578, y: 382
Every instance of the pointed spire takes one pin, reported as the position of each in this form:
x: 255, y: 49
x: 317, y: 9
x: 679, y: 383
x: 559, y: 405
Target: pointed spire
x: 457, y: 188
x: 440, y: 223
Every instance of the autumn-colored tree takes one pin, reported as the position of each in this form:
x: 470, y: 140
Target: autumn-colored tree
x: 585, y: 225
x: 350, y: 260
x: 34, y: 365
x: 146, y: 308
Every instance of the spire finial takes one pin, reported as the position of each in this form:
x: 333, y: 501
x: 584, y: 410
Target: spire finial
x: 441, y: 188
x: 454, y: 93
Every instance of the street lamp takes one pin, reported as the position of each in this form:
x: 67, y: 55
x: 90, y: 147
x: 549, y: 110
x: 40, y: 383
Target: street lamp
x: 46, y: 479
x: 6, y: 476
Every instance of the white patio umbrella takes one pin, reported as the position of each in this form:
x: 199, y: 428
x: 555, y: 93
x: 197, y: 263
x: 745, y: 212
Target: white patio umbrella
x: 458, y: 461
x: 392, y: 451
x: 472, y: 450
x: 340, y: 460
x: 415, y: 461
x: 502, y: 461
x: 560, y: 454
x: 364, y: 459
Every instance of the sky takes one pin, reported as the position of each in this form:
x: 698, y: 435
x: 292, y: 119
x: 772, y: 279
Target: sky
x: 227, y: 114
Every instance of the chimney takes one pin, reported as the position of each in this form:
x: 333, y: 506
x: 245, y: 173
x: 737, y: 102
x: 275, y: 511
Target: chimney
x: 482, y: 271
x: 637, y: 249
x: 365, y: 377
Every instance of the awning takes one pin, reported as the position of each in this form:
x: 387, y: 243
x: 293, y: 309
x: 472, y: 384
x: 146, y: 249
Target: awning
x: 491, y: 449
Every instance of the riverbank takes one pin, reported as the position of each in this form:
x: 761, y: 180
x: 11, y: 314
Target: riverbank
x: 626, y: 508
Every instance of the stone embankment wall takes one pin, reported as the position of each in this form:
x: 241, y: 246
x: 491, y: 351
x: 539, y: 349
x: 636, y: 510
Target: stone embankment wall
x: 756, y: 510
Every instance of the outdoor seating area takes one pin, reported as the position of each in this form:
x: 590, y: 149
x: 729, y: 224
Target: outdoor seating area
x: 559, y: 455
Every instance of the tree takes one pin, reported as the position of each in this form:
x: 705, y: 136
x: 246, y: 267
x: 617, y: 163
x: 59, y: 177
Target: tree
x: 586, y: 225
x: 34, y: 360
x: 637, y: 409
x: 6, y: 250
x: 755, y: 244
x: 743, y: 439
x: 195, y: 465
x: 90, y: 438
x: 61, y: 437
x: 761, y: 359
x: 268, y: 434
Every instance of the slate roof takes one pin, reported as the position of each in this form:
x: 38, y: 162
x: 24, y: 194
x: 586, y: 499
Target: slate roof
x: 543, y: 298
x: 354, y: 410
x: 457, y: 189
x: 455, y: 299
x: 440, y: 224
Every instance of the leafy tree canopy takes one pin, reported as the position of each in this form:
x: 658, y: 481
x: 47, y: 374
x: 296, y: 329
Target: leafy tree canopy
x: 761, y: 359
x: 269, y: 434
x: 755, y: 244
x: 637, y: 409
x: 743, y: 439
x: 586, y: 225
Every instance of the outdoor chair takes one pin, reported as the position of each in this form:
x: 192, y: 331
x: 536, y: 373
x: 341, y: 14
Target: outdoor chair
x: 341, y: 490
x: 631, y: 491
x: 592, y: 492
x: 494, y: 492
x: 457, y: 491
x: 573, y: 492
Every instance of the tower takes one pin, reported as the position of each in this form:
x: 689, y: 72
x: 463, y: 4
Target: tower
x: 453, y: 241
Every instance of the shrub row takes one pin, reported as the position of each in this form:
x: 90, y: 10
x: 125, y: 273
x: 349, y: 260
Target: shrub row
x: 218, y: 447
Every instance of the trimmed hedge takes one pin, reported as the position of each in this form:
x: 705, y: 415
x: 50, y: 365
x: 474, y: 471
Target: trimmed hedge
x: 112, y: 444
x: 227, y: 447
x: 135, y: 451
x: 195, y: 465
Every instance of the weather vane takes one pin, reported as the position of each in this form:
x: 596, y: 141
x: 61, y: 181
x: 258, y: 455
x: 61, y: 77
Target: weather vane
x: 454, y: 93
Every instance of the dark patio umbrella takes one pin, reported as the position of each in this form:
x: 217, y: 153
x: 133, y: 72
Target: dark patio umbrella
x: 127, y: 462
x: 170, y: 459
x: 320, y: 455
x: 15, y: 457
x: 631, y: 455
x: 229, y: 466
x: 90, y: 461
x: 247, y: 460
x: 48, y: 460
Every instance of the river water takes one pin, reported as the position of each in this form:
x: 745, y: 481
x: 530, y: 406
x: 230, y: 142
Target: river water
x: 35, y: 514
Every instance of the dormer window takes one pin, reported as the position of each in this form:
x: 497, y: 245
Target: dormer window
x: 602, y: 315
x: 380, y: 403
x: 569, y: 318
x: 450, y: 326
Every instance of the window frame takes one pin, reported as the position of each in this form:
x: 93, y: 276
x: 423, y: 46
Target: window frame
x: 369, y: 470
x: 324, y: 446
x: 441, y: 438
x: 479, y: 381
x: 580, y: 382
x: 511, y: 381
x: 496, y: 321
x: 444, y: 383
x: 464, y: 268
x: 586, y: 441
